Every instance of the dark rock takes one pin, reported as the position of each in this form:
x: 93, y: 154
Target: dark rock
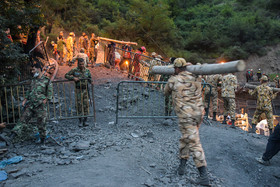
x: 81, y: 145
x: 18, y: 174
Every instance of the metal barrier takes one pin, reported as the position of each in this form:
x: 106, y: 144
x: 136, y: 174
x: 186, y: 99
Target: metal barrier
x: 142, y: 99
x: 64, y: 104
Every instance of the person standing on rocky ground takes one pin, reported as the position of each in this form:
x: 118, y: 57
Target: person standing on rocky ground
x: 264, y: 96
x: 80, y: 41
x: 167, y: 99
x: 276, y: 81
x: 93, y: 48
x: 136, y: 63
x: 60, y: 36
x: 85, y: 43
x: 154, y: 62
x: 35, y: 104
x: 229, y: 86
x: 82, y: 77
x: 272, y: 146
x: 70, y: 47
x: 213, y: 80
x: 111, y: 54
x: 126, y: 57
x: 259, y: 74
x: 185, y: 89
x: 82, y: 55
x: 60, y: 49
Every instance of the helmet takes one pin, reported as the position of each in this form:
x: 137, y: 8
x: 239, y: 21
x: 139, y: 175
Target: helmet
x: 71, y: 34
x: 52, y: 42
x: 180, y: 62
x: 264, y: 78
x: 143, y: 49
x: 153, y: 54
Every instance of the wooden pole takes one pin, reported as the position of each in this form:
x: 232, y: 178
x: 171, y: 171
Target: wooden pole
x: 206, y: 69
x: 117, y: 41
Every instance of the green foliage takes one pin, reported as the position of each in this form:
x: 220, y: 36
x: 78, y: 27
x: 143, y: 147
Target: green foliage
x: 18, y: 16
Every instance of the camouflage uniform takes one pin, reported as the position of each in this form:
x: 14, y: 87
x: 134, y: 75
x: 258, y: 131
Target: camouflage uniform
x: 41, y: 89
x: 213, y: 80
x: 276, y: 81
x: 264, y: 96
x: 187, y: 102
x: 81, y: 91
x: 153, y: 77
x: 229, y: 85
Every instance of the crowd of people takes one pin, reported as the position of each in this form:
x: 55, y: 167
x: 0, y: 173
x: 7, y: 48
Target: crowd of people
x: 185, y: 89
x: 85, y: 48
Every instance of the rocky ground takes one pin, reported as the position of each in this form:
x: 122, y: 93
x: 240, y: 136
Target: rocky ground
x: 134, y: 152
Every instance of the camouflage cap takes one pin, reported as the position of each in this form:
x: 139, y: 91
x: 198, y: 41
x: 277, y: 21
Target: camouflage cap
x: 264, y: 78
x: 180, y: 62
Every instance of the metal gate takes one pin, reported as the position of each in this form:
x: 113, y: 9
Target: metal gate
x: 63, y: 105
x: 145, y: 99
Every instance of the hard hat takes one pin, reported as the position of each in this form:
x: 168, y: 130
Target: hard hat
x: 71, y: 34
x: 143, y: 49
x: 153, y: 54
x: 61, y: 32
x: 159, y: 56
x: 264, y: 78
x: 52, y: 42
x: 180, y: 62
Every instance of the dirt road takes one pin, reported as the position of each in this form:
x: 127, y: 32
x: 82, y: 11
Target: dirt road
x: 137, y: 153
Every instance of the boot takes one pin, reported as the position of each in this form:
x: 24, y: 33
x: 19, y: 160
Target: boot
x: 253, y: 129
x: 85, y: 122
x: 233, y: 125
x: 181, y: 168
x: 206, y: 112
x: 225, y: 120
x: 203, y: 178
x: 214, y: 116
x: 80, y: 122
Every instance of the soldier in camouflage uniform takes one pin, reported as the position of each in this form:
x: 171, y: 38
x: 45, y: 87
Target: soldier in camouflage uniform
x: 213, y: 80
x: 229, y: 85
x: 82, y: 77
x: 185, y: 89
x: 35, y: 104
x: 167, y: 100
x: 264, y: 96
x: 154, y: 62
x: 276, y: 81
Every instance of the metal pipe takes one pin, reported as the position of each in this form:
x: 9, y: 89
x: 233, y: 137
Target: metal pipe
x: 206, y: 69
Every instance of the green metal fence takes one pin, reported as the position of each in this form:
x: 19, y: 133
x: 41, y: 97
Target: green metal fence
x: 145, y: 99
